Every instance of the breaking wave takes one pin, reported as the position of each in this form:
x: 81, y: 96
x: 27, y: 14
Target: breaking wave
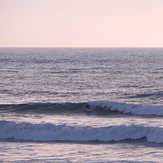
x: 127, y: 108
x: 96, y: 108
x: 52, y: 132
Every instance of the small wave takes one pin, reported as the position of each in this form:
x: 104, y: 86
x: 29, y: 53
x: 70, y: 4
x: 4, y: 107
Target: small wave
x: 128, y: 108
x: 144, y: 95
x: 51, y: 132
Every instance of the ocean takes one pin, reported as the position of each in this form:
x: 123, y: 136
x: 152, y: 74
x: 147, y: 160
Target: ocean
x: 81, y: 105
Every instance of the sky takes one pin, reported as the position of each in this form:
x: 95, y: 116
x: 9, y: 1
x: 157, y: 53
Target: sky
x: 81, y: 23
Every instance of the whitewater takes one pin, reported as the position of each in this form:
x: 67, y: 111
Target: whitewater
x: 81, y: 104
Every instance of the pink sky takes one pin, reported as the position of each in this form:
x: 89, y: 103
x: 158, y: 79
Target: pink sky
x: 81, y: 23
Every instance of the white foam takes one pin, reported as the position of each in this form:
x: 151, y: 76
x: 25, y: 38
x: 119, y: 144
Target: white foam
x: 51, y: 132
x: 128, y: 108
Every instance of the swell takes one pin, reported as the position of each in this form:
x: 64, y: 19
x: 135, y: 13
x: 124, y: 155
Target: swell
x: 51, y: 132
x: 158, y: 94
x: 94, y: 108
x: 45, y: 108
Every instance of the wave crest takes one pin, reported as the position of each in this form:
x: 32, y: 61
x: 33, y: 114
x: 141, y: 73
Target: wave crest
x: 127, y: 108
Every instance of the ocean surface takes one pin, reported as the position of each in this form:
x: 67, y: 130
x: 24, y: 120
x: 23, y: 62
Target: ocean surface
x: 81, y: 105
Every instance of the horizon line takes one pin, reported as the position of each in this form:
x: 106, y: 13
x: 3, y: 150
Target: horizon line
x: 79, y: 47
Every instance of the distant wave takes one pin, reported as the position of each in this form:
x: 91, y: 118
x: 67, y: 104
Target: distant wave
x: 95, y: 108
x: 51, y: 132
x: 158, y: 94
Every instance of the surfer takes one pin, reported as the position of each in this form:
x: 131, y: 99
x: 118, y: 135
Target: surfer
x: 88, y: 108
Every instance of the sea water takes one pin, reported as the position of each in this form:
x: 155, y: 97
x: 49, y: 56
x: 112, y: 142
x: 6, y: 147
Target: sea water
x: 81, y: 104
